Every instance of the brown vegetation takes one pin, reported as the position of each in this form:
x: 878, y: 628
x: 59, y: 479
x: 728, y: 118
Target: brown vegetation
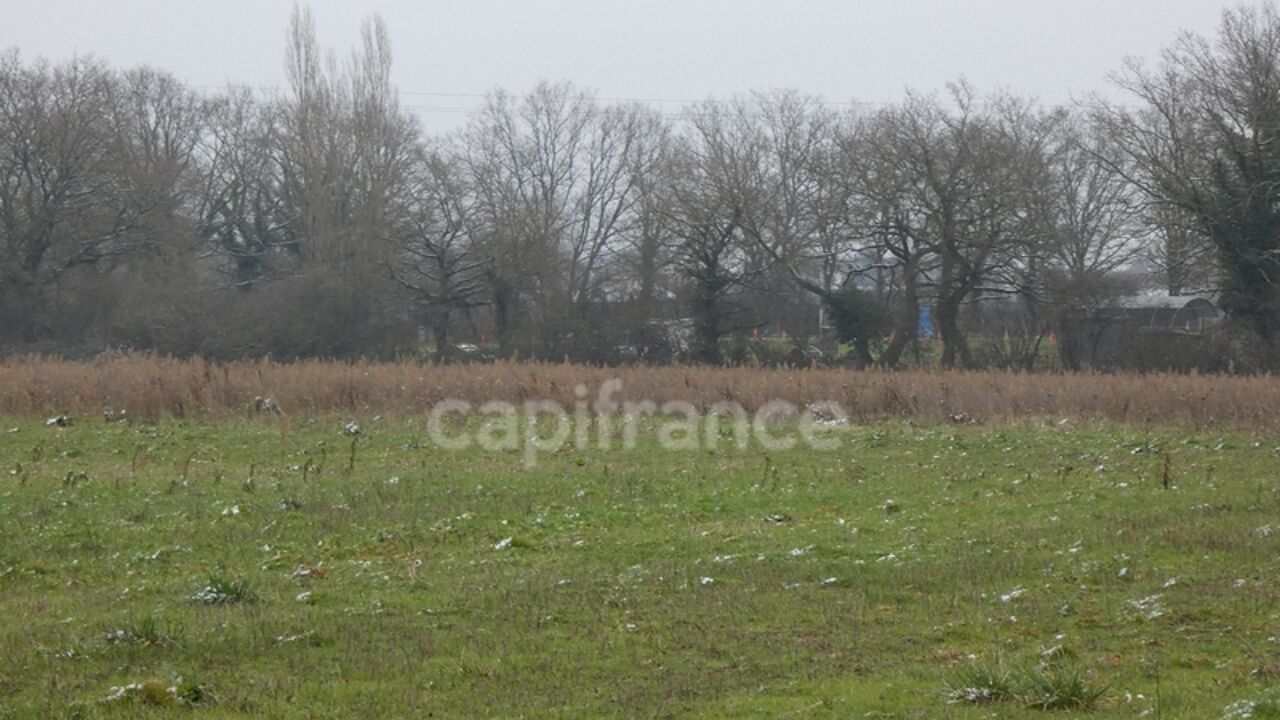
x: 147, y: 386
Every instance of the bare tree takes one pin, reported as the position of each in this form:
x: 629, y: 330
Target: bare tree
x: 790, y: 216
x: 435, y: 257
x: 156, y: 127
x: 714, y: 181
x: 1092, y: 219
x: 1090, y: 226
x: 1206, y: 141
x: 241, y: 209
x: 797, y: 219
x: 341, y: 154
x: 62, y: 207
x: 966, y: 171
x: 645, y: 257
x: 1178, y: 248
x: 883, y: 217
x: 344, y: 148
x: 557, y: 179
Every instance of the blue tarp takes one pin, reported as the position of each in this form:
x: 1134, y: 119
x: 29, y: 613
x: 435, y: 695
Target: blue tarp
x: 924, y: 328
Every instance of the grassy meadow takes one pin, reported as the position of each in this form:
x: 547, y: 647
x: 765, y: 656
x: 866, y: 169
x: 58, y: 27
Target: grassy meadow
x: 273, y: 566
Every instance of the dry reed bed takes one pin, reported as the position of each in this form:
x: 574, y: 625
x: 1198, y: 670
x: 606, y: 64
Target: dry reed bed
x: 148, y: 386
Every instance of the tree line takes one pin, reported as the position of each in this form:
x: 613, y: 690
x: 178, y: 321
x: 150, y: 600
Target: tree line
x: 323, y: 221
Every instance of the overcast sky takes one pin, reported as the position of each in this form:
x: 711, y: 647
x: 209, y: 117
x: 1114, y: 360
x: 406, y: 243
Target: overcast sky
x: 448, y: 52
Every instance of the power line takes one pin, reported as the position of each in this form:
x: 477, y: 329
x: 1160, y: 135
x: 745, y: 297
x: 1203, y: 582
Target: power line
x: 685, y: 103
x: 604, y: 98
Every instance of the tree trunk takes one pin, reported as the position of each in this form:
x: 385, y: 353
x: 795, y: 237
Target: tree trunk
x: 862, y: 348
x: 502, y: 301
x: 707, y: 325
x: 905, y: 329
x: 440, y: 332
x: 954, y: 348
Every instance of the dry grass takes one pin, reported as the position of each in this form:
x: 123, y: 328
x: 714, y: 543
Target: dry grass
x: 150, y: 387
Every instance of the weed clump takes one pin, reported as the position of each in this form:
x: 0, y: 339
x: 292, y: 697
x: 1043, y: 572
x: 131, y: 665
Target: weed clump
x: 224, y: 590
x: 980, y: 683
x: 145, y: 631
x: 1061, y: 687
x: 1266, y: 707
x: 1055, y: 684
x: 158, y: 693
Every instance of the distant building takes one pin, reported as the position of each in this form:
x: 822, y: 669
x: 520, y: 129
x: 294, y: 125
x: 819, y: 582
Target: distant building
x: 1162, y: 311
x: 1145, y: 331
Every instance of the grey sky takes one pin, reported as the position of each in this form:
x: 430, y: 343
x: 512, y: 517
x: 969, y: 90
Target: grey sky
x: 449, y: 51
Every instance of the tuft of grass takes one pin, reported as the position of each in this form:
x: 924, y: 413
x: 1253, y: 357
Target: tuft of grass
x: 1045, y: 686
x: 1060, y: 686
x: 191, y: 693
x: 1266, y: 707
x: 145, y: 631
x: 148, y: 692
x: 980, y: 683
x: 223, y: 589
x: 158, y: 693
x: 155, y: 692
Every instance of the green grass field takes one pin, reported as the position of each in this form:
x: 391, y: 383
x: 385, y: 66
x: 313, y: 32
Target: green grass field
x: 260, y: 569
